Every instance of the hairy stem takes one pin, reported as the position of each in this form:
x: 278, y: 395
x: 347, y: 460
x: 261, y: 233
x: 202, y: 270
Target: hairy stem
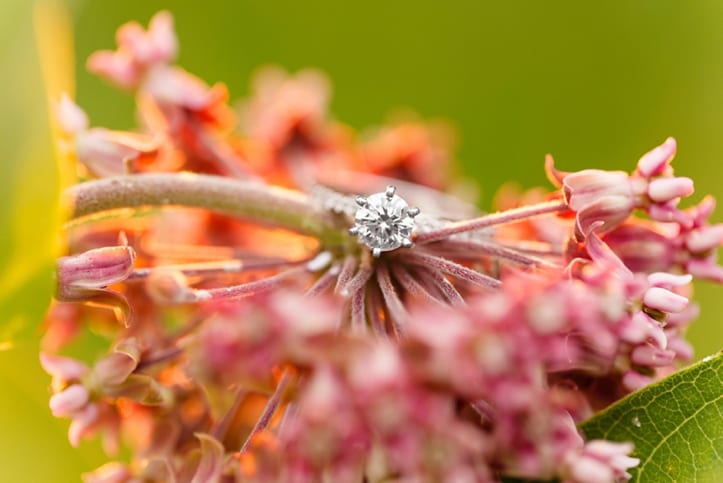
x: 247, y: 199
x: 501, y: 218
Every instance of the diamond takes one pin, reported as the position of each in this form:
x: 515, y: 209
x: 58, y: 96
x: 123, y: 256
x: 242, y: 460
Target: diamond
x: 384, y: 221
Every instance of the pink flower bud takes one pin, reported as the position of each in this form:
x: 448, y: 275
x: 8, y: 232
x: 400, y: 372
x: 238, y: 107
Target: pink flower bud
x: 604, y: 214
x: 590, y: 185
x: 669, y: 213
x: 656, y: 161
x: 704, y: 239
x: 158, y: 45
x: 601, y: 461
x: 115, y: 368
x: 650, y: 356
x: 95, y: 268
x: 664, y: 300
x: 71, y: 117
x: 107, y: 153
x: 69, y: 401
x: 63, y: 368
x: 117, y: 67
x: 662, y: 190
x: 640, y: 328
x: 705, y: 269
x: 175, y: 86
x: 82, y: 423
x: 665, y: 279
x: 113, y: 472
x: 162, y: 37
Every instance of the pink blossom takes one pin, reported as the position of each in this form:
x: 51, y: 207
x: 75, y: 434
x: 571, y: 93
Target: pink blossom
x: 137, y: 51
x: 600, y: 461
x: 104, y: 152
x: 605, y: 199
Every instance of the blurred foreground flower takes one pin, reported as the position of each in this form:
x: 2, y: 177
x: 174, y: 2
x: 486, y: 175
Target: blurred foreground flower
x: 261, y: 341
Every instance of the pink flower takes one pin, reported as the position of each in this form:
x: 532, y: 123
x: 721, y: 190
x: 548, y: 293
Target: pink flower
x: 94, y: 269
x: 86, y: 276
x: 102, y: 151
x: 607, y: 198
x: 600, y: 462
x: 137, y: 51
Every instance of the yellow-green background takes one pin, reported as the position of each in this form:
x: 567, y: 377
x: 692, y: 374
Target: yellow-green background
x: 594, y: 84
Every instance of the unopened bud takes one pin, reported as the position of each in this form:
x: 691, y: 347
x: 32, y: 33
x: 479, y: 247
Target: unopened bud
x: 94, y: 269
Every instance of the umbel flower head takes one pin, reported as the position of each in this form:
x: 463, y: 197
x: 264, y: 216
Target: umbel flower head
x: 291, y: 313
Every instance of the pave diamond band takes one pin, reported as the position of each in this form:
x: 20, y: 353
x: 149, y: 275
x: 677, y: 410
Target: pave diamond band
x: 384, y: 221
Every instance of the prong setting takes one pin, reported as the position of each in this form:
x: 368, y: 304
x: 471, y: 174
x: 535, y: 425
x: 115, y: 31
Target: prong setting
x: 384, y: 221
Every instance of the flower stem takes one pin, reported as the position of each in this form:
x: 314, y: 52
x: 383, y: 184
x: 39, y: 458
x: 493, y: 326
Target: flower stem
x: 501, y: 218
x: 247, y: 199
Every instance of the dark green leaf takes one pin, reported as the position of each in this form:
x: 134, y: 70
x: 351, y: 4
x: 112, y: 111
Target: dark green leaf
x: 676, y: 425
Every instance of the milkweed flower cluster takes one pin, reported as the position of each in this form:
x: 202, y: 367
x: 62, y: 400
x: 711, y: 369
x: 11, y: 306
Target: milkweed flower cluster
x: 254, y: 338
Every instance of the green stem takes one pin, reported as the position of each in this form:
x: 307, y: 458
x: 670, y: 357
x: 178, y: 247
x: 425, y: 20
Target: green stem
x: 249, y: 200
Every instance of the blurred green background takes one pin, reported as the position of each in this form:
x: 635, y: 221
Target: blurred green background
x: 596, y: 85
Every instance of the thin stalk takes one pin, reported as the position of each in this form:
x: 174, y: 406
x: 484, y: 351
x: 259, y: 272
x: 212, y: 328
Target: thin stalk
x: 357, y: 281
x: 347, y: 272
x: 244, y: 289
x: 271, y: 406
x: 473, y: 250
x: 374, y: 312
x: 410, y: 284
x: 501, y: 218
x: 439, y: 282
x: 454, y: 269
x: 324, y: 282
x: 206, y: 269
x: 358, y: 319
x: 220, y: 429
x: 395, y: 307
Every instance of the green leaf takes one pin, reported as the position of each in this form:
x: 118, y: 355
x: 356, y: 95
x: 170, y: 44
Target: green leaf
x: 676, y: 425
